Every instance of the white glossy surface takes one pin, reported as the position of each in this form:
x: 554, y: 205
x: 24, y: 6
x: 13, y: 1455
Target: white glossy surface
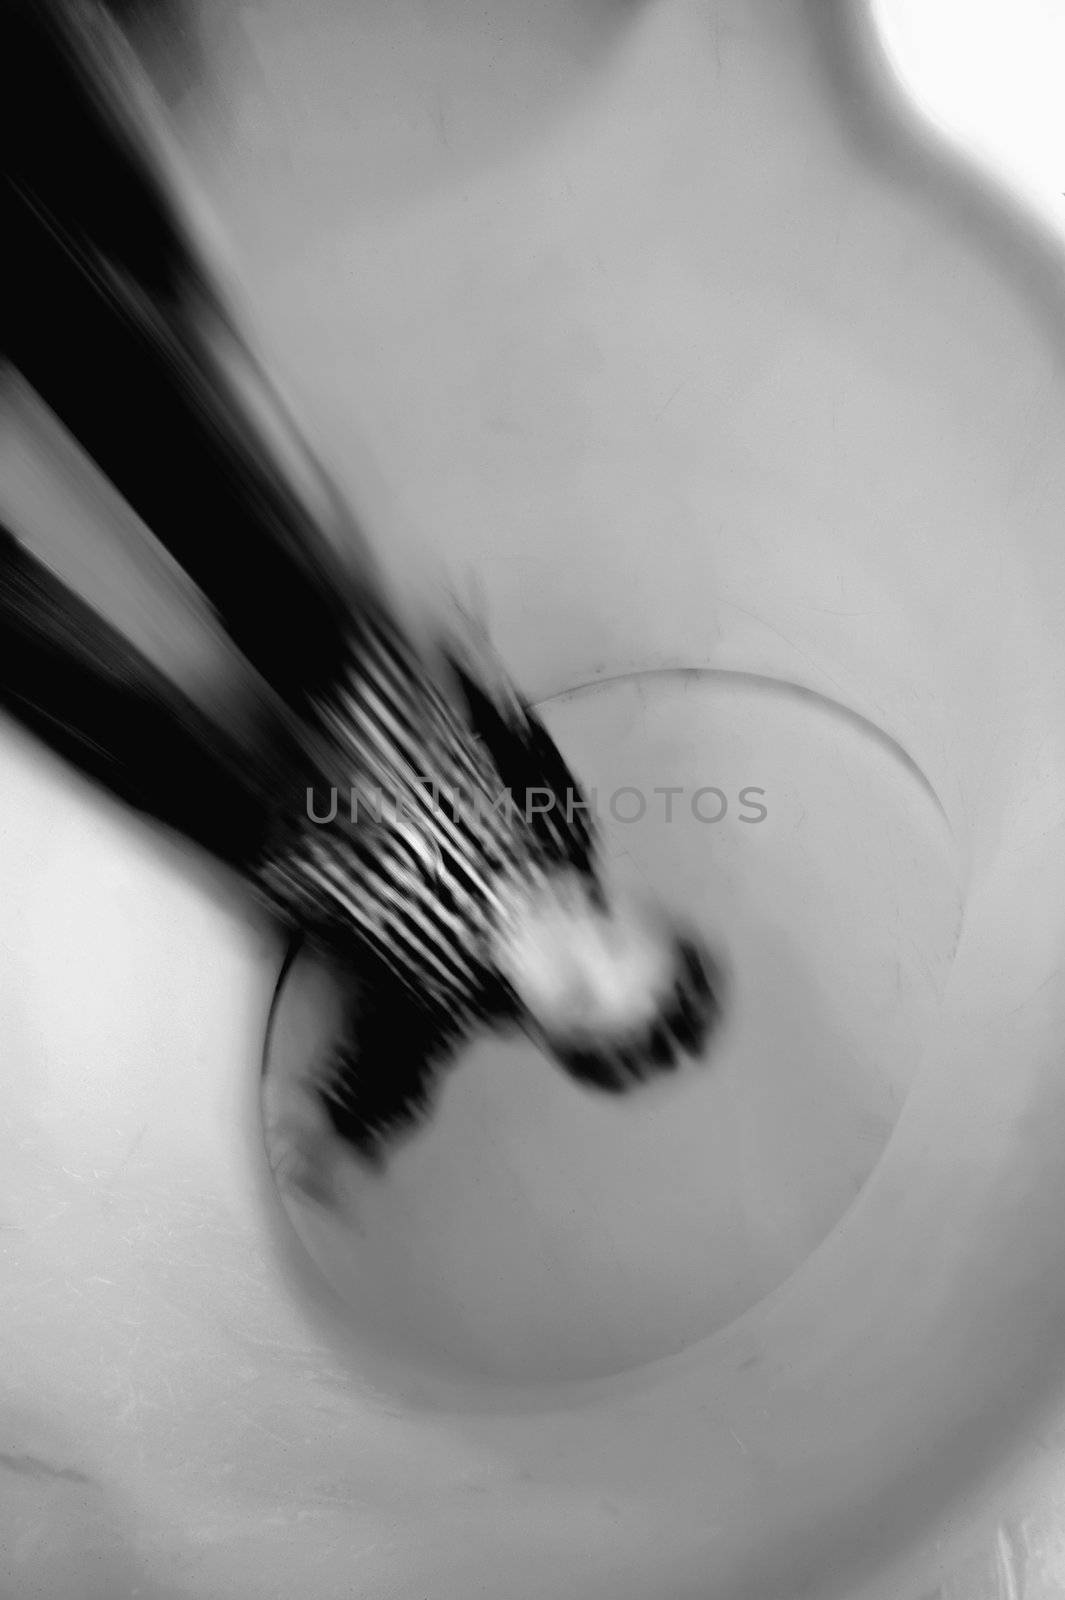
x: 701, y: 353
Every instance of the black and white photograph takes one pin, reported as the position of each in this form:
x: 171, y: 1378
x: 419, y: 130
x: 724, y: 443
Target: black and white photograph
x: 532, y: 800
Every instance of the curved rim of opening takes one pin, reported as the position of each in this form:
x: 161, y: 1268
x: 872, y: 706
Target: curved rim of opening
x: 453, y: 1384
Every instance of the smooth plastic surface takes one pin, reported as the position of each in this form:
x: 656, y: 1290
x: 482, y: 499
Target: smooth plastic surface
x: 673, y: 324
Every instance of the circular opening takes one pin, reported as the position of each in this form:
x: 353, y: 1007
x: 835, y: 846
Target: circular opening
x: 539, y: 1232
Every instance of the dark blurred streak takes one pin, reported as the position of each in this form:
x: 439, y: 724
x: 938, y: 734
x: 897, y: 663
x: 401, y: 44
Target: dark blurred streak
x: 113, y: 319
x: 75, y: 682
x: 168, y: 38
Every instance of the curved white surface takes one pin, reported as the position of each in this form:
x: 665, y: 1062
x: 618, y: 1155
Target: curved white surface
x: 537, y: 1231
x: 672, y: 324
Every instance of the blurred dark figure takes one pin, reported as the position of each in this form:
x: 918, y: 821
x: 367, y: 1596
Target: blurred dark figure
x: 451, y: 912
